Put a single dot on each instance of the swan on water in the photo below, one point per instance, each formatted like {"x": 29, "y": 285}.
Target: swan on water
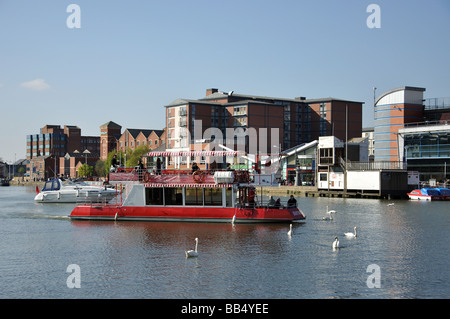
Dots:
{"x": 193, "y": 253}
{"x": 290, "y": 231}
{"x": 331, "y": 211}
{"x": 351, "y": 234}
{"x": 335, "y": 243}
{"x": 391, "y": 204}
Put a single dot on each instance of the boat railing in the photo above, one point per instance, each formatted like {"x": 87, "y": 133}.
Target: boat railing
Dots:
{"x": 168, "y": 175}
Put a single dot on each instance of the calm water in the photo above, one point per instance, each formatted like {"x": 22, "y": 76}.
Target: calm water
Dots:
{"x": 408, "y": 241}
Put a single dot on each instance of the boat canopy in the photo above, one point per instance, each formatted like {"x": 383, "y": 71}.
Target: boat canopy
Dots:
{"x": 430, "y": 191}
{"x": 52, "y": 185}
{"x": 443, "y": 190}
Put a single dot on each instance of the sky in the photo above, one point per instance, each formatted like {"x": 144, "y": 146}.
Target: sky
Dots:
{"x": 128, "y": 59}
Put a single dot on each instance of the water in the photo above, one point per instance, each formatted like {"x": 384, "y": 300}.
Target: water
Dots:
{"x": 408, "y": 241}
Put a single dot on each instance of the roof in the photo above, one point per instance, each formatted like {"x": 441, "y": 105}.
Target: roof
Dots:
{"x": 402, "y": 88}
{"x": 178, "y": 102}
{"x": 135, "y": 132}
{"x": 327, "y": 99}
{"x": 111, "y": 124}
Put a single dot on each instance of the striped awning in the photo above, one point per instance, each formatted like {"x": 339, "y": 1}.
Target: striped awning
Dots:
{"x": 196, "y": 153}
{"x": 193, "y": 185}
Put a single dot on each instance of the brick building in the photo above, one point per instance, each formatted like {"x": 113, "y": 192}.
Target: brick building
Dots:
{"x": 297, "y": 120}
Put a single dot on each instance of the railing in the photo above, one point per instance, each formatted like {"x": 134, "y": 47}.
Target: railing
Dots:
{"x": 371, "y": 166}
{"x": 437, "y": 103}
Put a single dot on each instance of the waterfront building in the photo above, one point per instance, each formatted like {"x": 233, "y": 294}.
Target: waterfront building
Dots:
{"x": 393, "y": 109}
{"x": 71, "y": 162}
{"x": 110, "y": 133}
{"x": 54, "y": 142}
{"x": 414, "y": 131}
{"x": 133, "y": 138}
{"x": 296, "y": 120}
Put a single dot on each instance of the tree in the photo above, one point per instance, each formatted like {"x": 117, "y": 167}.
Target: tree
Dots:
{"x": 85, "y": 170}
{"x": 100, "y": 168}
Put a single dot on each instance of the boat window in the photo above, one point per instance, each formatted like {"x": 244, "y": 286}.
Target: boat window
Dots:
{"x": 55, "y": 185}
{"x": 154, "y": 196}
{"x": 229, "y": 197}
{"x": 194, "y": 196}
{"x": 213, "y": 196}
{"x": 47, "y": 186}
{"x": 173, "y": 196}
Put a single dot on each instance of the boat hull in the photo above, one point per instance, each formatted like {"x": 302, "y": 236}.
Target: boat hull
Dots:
{"x": 186, "y": 214}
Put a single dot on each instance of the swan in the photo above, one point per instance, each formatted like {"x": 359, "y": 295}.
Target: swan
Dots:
{"x": 335, "y": 243}
{"x": 193, "y": 253}
{"x": 351, "y": 234}
{"x": 391, "y": 204}
{"x": 331, "y": 211}
{"x": 290, "y": 231}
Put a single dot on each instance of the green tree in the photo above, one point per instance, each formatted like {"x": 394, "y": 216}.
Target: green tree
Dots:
{"x": 100, "y": 168}
{"x": 132, "y": 157}
{"x": 85, "y": 170}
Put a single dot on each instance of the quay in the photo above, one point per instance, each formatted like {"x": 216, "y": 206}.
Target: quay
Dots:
{"x": 312, "y": 191}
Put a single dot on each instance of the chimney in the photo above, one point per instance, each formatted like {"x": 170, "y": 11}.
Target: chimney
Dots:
{"x": 211, "y": 91}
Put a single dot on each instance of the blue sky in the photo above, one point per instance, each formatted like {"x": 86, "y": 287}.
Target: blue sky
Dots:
{"x": 130, "y": 58}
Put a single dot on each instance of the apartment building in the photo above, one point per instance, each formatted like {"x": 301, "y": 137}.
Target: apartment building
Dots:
{"x": 293, "y": 120}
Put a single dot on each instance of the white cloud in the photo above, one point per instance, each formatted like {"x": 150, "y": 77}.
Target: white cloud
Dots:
{"x": 36, "y": 85}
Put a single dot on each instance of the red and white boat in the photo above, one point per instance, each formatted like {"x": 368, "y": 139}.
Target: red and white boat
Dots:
{"x": 203, "y": 196}
{"x": 430, "y": 194}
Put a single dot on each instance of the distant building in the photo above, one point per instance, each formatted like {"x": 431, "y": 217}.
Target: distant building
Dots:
{"x": 296, "y": 120}
{"x": 133, "y": 138}
{"x": 415, "y": 131}
{"x": 54, "y": 142}
{"x": 110, "y": 133}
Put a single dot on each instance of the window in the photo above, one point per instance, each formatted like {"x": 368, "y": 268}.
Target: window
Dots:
{"x": 154, "y": 196}
{"x": 213, "y": 196}
{"x": 194, "y": 196}
{"x": 173, "y": 196}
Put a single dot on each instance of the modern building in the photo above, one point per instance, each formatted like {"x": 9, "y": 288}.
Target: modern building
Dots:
{"x": 393, "y": 109}
{"x": 415, "y": 131}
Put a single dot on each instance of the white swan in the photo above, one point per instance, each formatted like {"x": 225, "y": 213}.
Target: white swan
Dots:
{"x": 290, "y": 231}
{"x": 193, "y": 253}
{"x": 335, "y": 243}
{"x": 331, "y": 211}
{"x": 391, "y": 204}
{"x": 351, "y": 234}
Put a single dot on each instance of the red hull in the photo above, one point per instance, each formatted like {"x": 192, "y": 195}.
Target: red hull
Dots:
{"x": 192, "y": 214}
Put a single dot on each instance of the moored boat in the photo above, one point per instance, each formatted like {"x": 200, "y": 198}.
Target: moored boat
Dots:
{"x": 59, "y": 191}
{"x": 182, "y": 195}
{"x": 430, "y": 194}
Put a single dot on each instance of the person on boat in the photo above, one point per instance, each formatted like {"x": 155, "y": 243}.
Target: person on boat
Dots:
{"x": 228, "y": 167}
{"x": 158, "y": 166}
{"x": 278, "y": 203}
{"x": 195, "y": 167}
{"x": 140, "y": 169}
{"x": 292, "y": 202}
{"x": 271, "y": 202}
{"x": 114, "y": 163}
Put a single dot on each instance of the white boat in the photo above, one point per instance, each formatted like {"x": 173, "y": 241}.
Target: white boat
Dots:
{"x": 59, "y": 191}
